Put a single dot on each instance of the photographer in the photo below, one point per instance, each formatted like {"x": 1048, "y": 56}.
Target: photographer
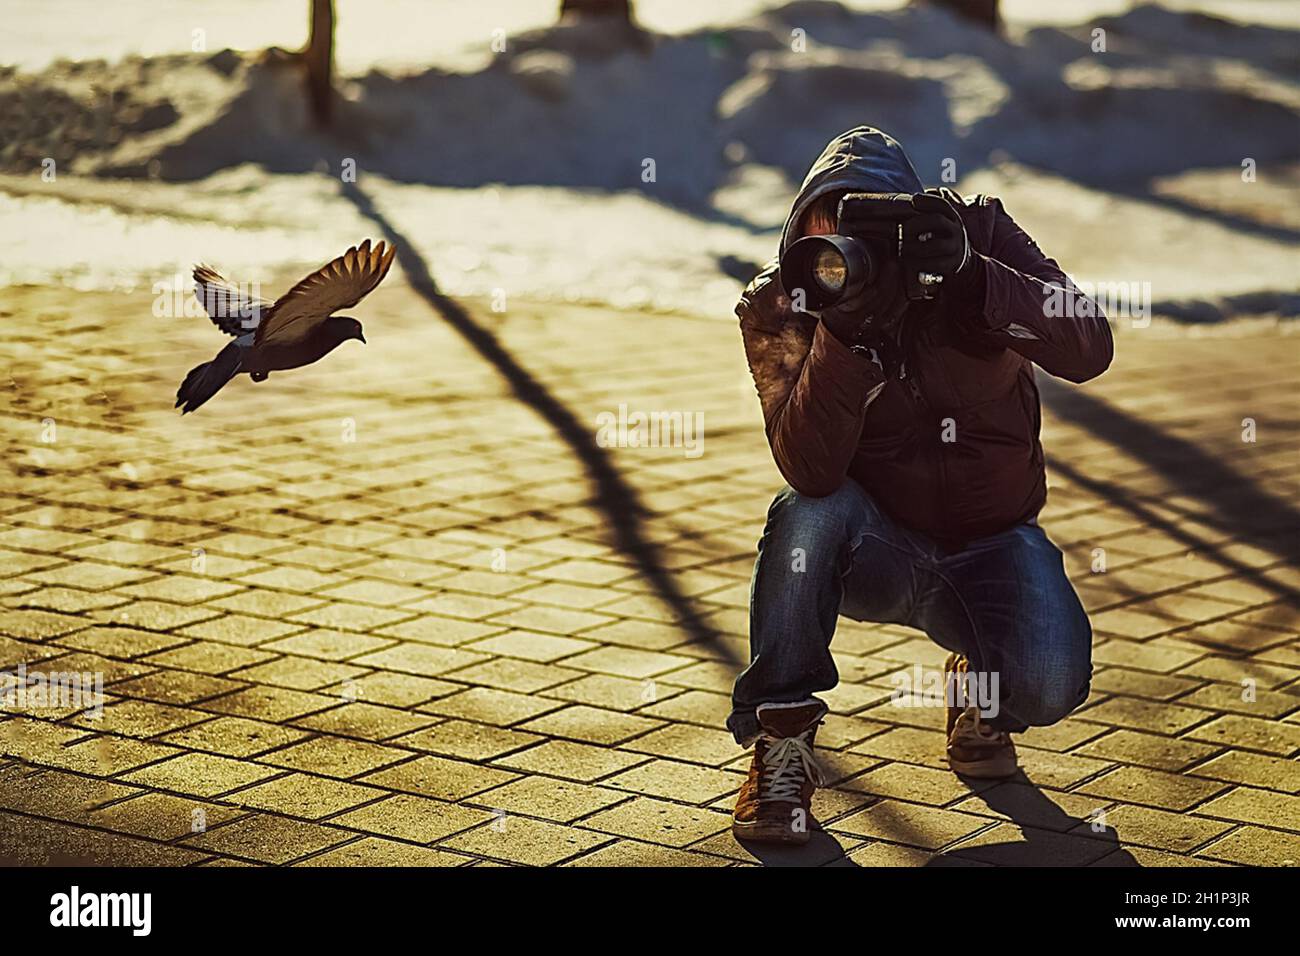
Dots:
{"x": 905, "y": 418}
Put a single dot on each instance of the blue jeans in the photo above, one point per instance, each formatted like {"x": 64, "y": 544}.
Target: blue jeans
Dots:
{"x": 1003, "y": 601}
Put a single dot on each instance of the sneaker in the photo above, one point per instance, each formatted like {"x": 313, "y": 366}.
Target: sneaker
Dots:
{"x": 774, "y": 804}
{"x": 974, "y": 748}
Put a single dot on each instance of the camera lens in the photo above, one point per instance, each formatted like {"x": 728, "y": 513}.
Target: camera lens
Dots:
{"x": 829, "y": 270}
{"x": 822, "y": 270}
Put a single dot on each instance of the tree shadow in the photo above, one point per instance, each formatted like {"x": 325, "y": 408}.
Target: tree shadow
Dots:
{"x": 612, "y": 494}
{"x": 1236, "y": 505}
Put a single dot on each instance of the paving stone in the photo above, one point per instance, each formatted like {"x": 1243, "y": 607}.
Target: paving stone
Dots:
{"x": 200, "y": 775}
{"x": 33, "y": 842}
{"x": 1243, "y": 700}
{"x": 373, "y": 851}
{"x": 1031, "y": 806}
{"x": 139, "y": 718}
{"x": 304, "y": 796}
{"x": 688, "y": 743}
{"x": 153, "y": 615}
{"x": 658, "y": 821}
{"x": 420, "y": 659}
{"x": 908, "y": 744}
{"x": 1160, "y": 829}
{"x": 208, "y": 657}
{"x": 1254, "y": 846}
{"x": 463, "y": 738}
{"x": 1131, "y": 683}
{"x": 267, "y": 839}
{"x": 526, "y": 842}
{"x": 1252, "y": 733}
{"x": 631, "y": 853}
{"x": 523, "y": 677}
{"x": 328, "y": 645}
{"x": 1146, "y": 715}
{"x": 1145, "y": 786}
{"x": 271, "y": 703}
{"x": 1148, "y": 750}
{"x": 1256, "y": 770}
{"x": 911, "y": 824}
{"x": 571, "y": 761}
{"x": 174, "y": 687}
{"x": 614, "y": 693}
{"x": 438, "y": 777}
{"x": 560, "y": 800}
{"x": 917, "y": 784}
{"x": 485, "y": 705}
{"x": 107, "y": 755}
{"x": 891, "y": 854}
{"x": 438, "y": 629}
{"x": 53, "y": 793}
{"x": 233, "y": 736}
{"x": 126, "y": 642}
{"x": 591, "y": 725}
{"x": 299, "y": 673}
{"x": 671, "y": 779}
{"x": 367, "y": 721}
{"x": 160, "y": 816}
{"x": 335, "y": 756}
{"x": 530, "y": 646}
{"x": 1251, "y": 805}
{"x": 1009, "y": 844}
{"x": 398, "y": 690}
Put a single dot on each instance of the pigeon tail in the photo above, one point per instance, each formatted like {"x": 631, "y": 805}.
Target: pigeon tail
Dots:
{"x": 206, "y": 380}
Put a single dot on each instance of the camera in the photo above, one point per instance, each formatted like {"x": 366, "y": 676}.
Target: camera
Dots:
{"x": 831, "y": 269}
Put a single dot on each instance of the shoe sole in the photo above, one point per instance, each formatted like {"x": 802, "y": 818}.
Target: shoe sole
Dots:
{"x": 768, "y": 833}
{"x": 992, "y": 769}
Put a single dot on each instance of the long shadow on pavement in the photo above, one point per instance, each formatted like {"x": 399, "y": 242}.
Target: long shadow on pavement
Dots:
{"x": 1043, "y": 826}
{"x": 1238, "y": 507}
{"x": 614, "y": 496}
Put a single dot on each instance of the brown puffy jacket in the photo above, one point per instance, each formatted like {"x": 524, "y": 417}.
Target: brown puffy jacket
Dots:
{"x": 947, "y": 443}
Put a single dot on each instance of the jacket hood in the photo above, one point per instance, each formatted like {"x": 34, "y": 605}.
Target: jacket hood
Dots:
{"x": 860, "y": 160}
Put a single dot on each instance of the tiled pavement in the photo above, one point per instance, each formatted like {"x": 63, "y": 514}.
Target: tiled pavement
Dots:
{"x": 401, "y": 608}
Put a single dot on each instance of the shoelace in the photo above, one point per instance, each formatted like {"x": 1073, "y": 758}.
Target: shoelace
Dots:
{"x": 969, "y": 725}
{"x": 787, "y": 763}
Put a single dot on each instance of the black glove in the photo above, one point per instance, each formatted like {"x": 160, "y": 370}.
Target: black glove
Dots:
{"x": 934, "y": 241}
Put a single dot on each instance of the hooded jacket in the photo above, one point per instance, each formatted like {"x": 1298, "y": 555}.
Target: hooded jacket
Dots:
{"x": 947, "y": 442}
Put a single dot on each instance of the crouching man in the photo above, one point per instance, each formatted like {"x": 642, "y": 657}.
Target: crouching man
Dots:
{"x": 905, "y": 419}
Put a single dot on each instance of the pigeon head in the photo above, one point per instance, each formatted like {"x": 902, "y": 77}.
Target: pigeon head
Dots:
{"x": 344, "y": 327}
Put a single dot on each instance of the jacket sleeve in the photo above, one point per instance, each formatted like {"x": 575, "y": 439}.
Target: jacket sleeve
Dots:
{"x": 1035, "y": 309}
{"x": 813, "y": 388}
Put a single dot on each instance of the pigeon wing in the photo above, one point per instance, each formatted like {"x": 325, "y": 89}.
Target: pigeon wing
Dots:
{"x": 230, "y": 308}
{"x": 336, "y": 285}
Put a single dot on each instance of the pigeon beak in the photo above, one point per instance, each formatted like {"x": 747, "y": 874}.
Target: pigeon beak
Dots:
{"x": 362, "y": 338}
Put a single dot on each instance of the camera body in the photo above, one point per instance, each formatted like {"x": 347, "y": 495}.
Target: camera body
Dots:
{"x": 835, "y": 268}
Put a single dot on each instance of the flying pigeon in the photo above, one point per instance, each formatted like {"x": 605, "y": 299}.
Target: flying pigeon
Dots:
{"x": 297, "y": 329}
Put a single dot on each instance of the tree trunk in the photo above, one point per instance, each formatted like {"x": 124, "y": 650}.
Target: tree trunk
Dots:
{"x": 983, "y": 12}
{"x": 319, "y": 57}
{"x": 605, "y": 8}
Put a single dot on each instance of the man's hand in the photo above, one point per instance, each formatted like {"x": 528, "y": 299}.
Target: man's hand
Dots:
{"x": 934, "y": 241}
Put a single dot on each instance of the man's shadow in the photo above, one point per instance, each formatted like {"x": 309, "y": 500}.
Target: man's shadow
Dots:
{"x": 1050, "y": 836}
